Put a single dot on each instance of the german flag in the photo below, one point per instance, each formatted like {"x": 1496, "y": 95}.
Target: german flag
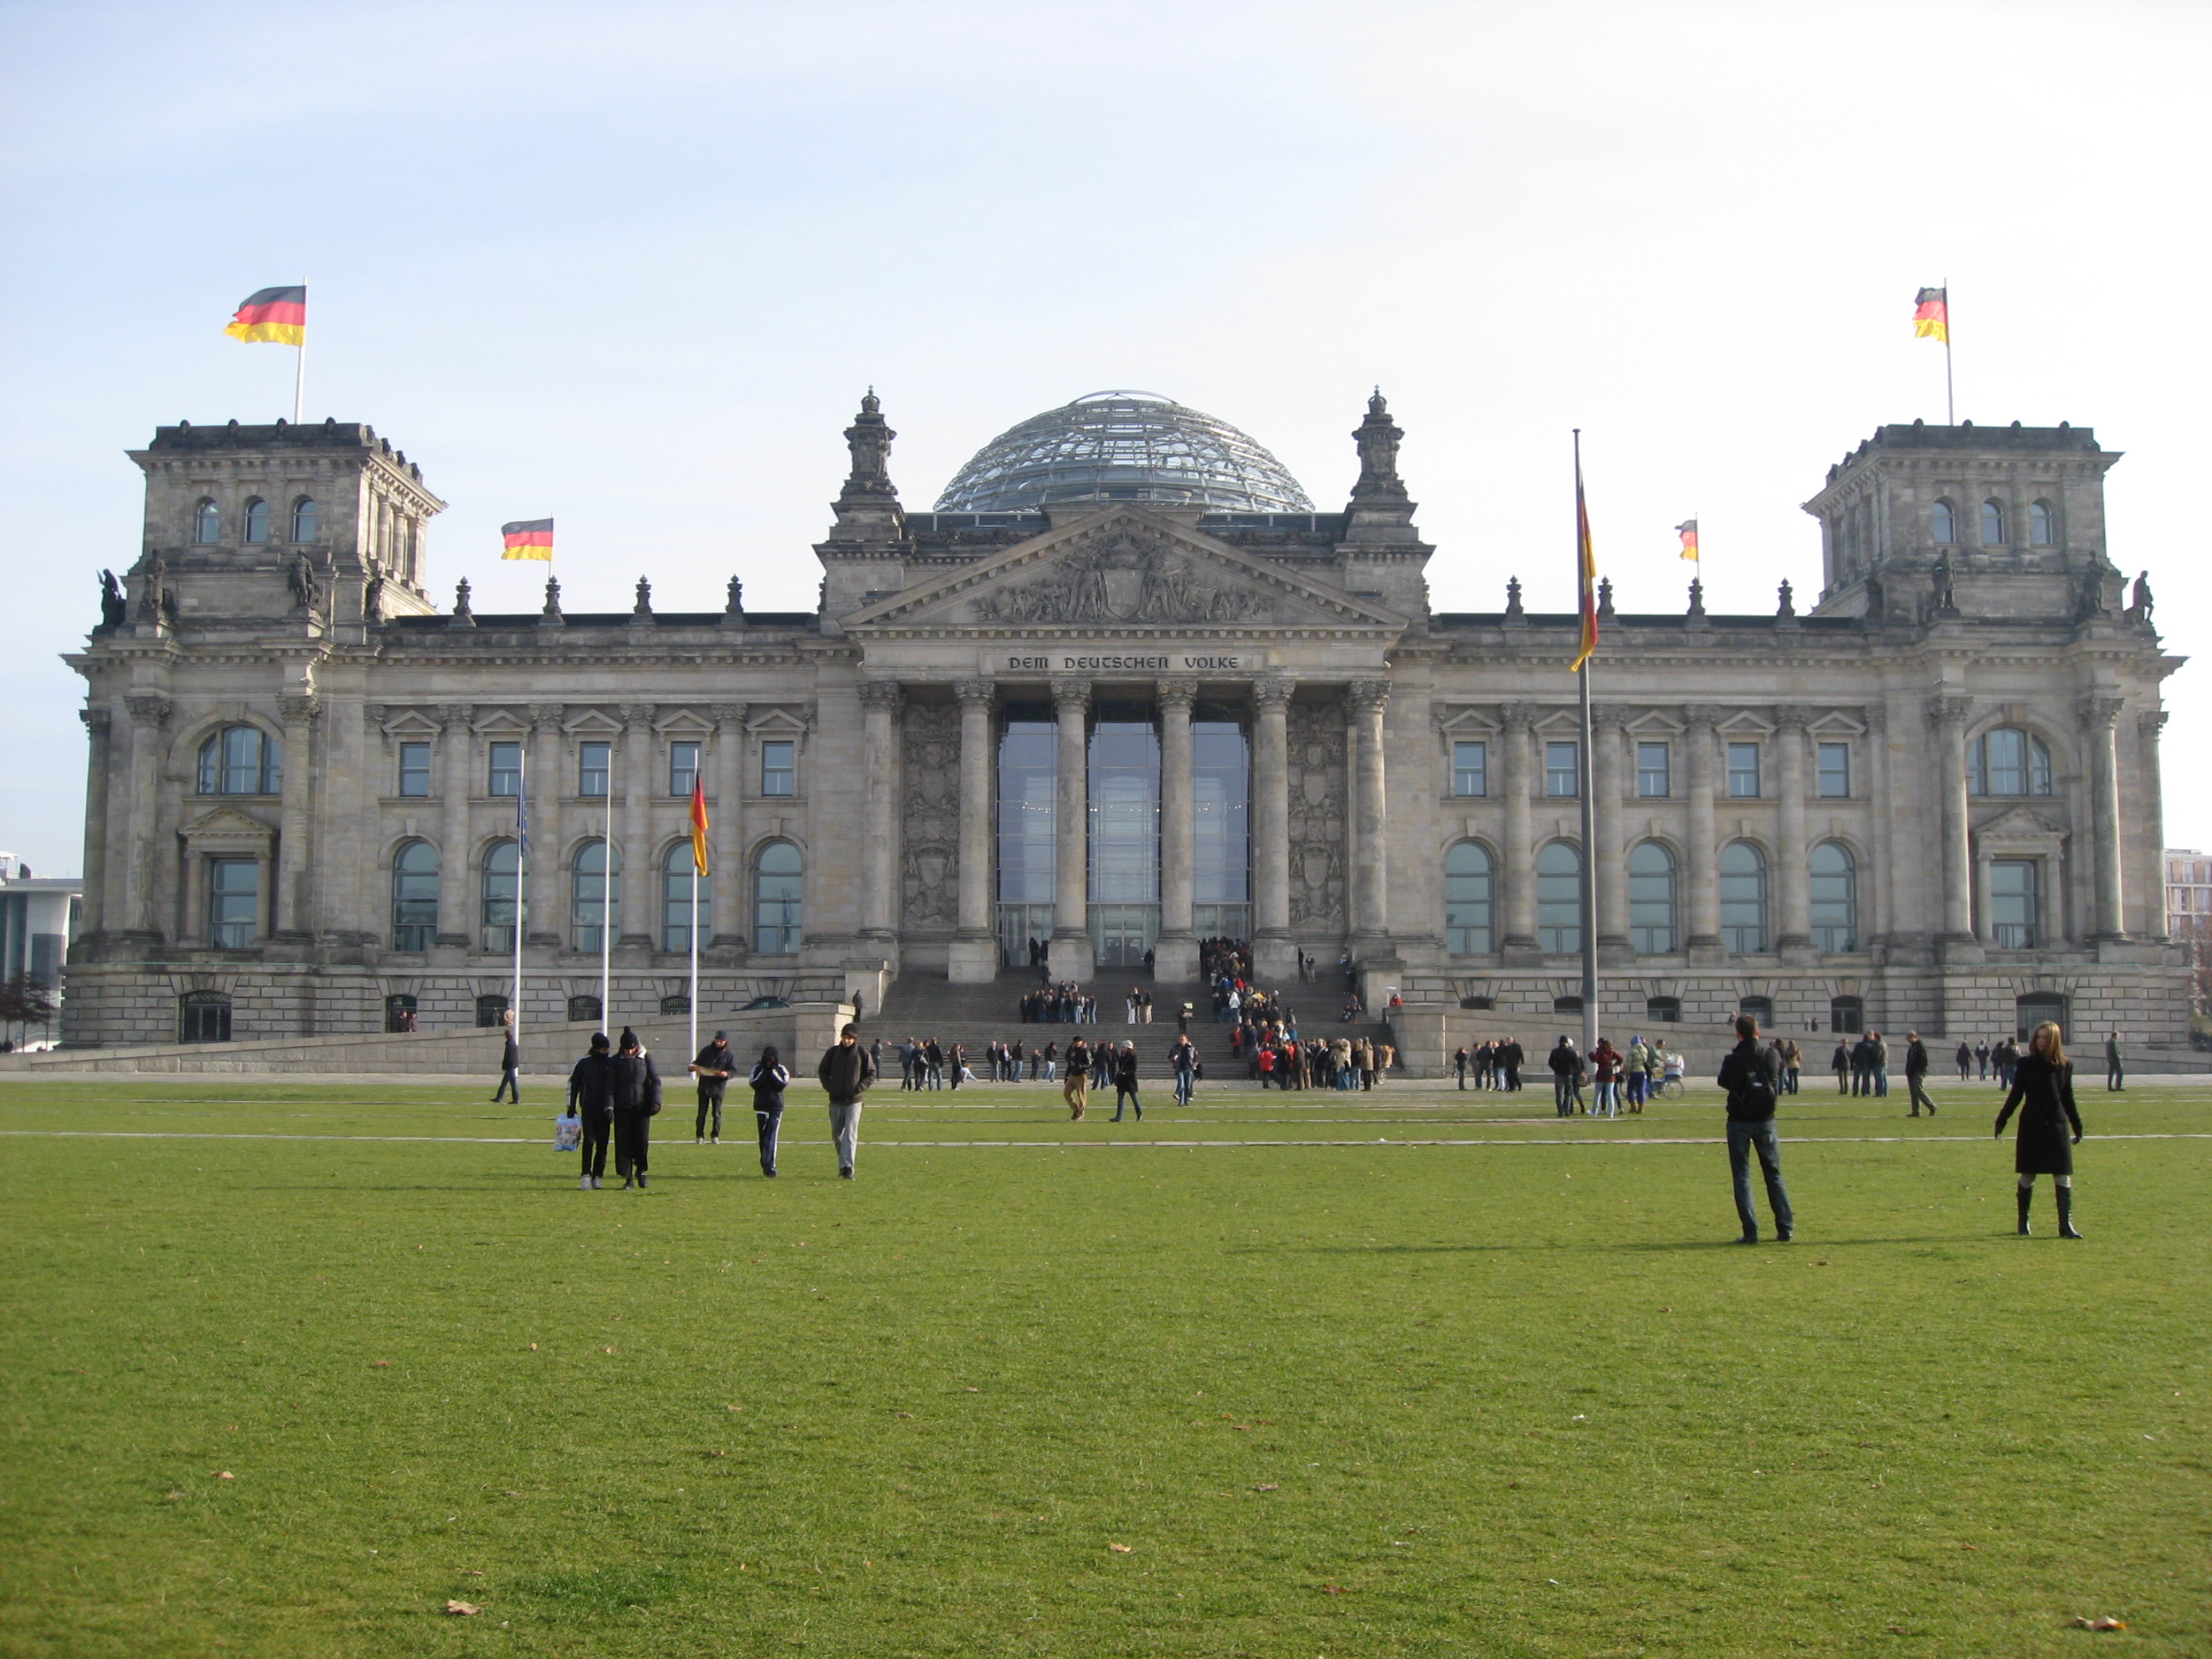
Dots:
{"x": 275, "y": 314}
{"x": 699, "y": 824}
{"x": 1586, "y": 571}
{"x": 1931, "y": 315}
{"x": 528, "y": 538}
{"x": 1688, "y": 530}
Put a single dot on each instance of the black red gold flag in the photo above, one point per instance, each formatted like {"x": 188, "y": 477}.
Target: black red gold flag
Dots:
{"x": 275, "y": 314}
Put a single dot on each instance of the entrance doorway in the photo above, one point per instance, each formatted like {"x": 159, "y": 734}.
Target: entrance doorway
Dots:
{"x": 1122, "y": 933}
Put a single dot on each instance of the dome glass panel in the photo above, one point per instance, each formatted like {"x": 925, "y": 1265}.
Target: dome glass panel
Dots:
{"x": 1123, "y": 446}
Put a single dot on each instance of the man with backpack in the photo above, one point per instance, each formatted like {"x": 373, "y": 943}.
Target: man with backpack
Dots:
{"x": 1751, "y": 1076}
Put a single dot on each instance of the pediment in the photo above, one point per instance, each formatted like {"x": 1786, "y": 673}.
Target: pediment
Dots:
{"x": 1120, "y": 568}
{"x": 2021, "y": 826}
{"x": 226, "y": 828}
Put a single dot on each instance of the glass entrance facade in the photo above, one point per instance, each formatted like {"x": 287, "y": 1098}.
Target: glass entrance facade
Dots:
{"x": 1125, "y": 835}
{"x": 1221, "y": 797}
{"x": 1029, "y": 746}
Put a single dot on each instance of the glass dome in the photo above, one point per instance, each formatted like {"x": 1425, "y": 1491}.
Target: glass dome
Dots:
{"x": 1123, "y": 446}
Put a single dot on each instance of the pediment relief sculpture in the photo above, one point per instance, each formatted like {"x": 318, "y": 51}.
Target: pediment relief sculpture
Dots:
{"x": 1123, "y": 579}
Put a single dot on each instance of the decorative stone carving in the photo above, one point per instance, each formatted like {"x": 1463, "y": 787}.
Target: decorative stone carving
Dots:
{"x": 869, "y": 438}
{"x": 148, "y": 710}
{"x": 1121, "y": 578}
{"x": 880, "y": 694}
{"x": 1377, "y": 438}
{"x": 1954, "y": 711}
{"x": 930, "y": 862}
{"x": 1317, "y": 817}
{"x": 298, "y": 710}
{"x": 974, "y": 690}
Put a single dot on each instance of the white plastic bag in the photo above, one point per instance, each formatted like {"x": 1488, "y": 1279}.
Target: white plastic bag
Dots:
{"x": 568, "y": 1133}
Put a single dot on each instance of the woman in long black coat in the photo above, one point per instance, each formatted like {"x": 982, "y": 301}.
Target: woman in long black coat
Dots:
{"x": 2042, "y": 1088}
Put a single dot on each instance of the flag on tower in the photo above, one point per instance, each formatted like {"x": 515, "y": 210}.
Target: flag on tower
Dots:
{"x": 1688, "y": 530}
{"x": 1585, "y": 574}
{"x": 699, "y": 824}
{"x": 528, "y": 538}
{"x": 274, "y": 314}
{"x": 1931, "y": 315}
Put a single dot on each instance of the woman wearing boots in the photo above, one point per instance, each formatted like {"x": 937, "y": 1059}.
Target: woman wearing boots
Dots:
{"x": 2042, "y": 1088}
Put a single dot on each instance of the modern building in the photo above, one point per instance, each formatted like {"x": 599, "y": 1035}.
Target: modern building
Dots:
{"x": 37, "y": 921}
{"x": 1124, "y": 688}
{"x": 2189, "y": 915}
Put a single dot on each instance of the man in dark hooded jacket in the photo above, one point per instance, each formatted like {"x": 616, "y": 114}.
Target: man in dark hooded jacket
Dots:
{"x": 1751, "y": 1077}
{"x": 845, "y": 1074}
{"x": 635, "y": 1083}
{"x": 591, "y": 1098}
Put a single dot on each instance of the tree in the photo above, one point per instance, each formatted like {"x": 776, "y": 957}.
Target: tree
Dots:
{"x": 24, "y": 1002}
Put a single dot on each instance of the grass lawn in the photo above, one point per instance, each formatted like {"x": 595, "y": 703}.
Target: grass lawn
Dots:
{"x": 1302, "y": 1391}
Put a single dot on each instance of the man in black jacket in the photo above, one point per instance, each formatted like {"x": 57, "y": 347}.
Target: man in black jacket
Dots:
{"x": 1512, "y": 1057}
{"x": 1915, "y": 1073}
{"x": 1752, "y": 1076}
{"x": 845, "y": 1074}
{"x": 712, "y": 1068}
{"x": 1125, "y": 1082}
{"x": 510, "y": 1065}
{"x": 635, "y": 1084}
{"x": 1564, "y": 1063}
{"x": 591, "y": 1102}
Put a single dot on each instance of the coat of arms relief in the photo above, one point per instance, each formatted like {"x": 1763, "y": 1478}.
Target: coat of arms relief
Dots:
{"x": 1121, "y": 579}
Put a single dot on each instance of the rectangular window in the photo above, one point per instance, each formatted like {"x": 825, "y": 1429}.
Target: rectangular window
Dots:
{"x": 414, "y": 768}
{"x": 1835, "y": 771}
{"x": 506, "y": 768}
{"x": 1562, "y": 774}
{"x": 683, "y": 768}
{"x": 592, "y": 767}
{"x": 1470, "y": 768}
{"x": 1654, "y": 779}
{"x": 234, "y": 902}
{"x": 1743, "y": 770}
{"x": 779, "y": 767}
{"x": 2015, "y": 904}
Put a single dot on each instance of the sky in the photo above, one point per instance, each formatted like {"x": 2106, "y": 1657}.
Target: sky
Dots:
{"x": 633, "y": 266}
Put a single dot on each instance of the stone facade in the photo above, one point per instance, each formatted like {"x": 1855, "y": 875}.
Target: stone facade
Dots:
{"x": 1930, "y": 801}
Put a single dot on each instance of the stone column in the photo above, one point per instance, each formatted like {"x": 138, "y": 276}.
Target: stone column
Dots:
{"x": 973, "y": 958}
{"x": 293, "y": 915}
{"x": 1792, "y": 858}
{"x": 454, "y": 779}
{"x": 726, "y": 880}
{"x": 1517, "y": 873}
{"x": 543, "y": 921}
{"x": 1071, "y": 902}
{"x": 2149, "y": 884}
{"x": 1365, "y": 702}
{"x": 640, "y": 918}
{"x": 1274, "y": 951}
{"x": 1703, "y": 853}
{"x": 1950, "y": 715}
{"x": 1174, "y": 954}
{"x": 880, "y": 700}
{"x": 2100, "y": 715}
{"x": 1609, "y": 859}
{"x": 148, "y": 714}
{"x": 97, "y": 902}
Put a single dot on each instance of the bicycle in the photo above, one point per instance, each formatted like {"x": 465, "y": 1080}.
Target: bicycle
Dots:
{"x": 1668, "y": 1089}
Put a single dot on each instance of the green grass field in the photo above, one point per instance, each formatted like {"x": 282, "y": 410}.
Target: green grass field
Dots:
{"x": 1035, "y": 1388}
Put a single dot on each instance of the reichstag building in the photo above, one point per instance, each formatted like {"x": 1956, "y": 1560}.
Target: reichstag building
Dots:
{"x": 1123, "y": 689}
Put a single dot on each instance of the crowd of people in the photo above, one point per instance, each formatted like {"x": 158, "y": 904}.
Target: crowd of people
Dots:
{"x": 1064, "y": 1003}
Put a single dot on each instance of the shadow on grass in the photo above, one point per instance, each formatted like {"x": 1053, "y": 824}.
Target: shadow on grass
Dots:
{"x": 1636, "y": 1245}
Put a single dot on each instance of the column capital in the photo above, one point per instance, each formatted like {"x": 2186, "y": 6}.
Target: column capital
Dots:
{"x": 1368, "y": 696}
{"x": 149, "y": 710}
{"x": 1273, "y": 692}
{"x": 635, "y": 715}
{"x": 1609, "y": 717}
{"x": 1701, "y": 714}
{"x": 1514, "y": 717}
{"x": 1179, "y": 692}
{"x": 298, "y": 710}
{"x": 1793, "y": 717}
{"x": 879, "y": 693}
{"x": 1068, "y": 694}
{"x": 453, "y": 716}
{"x": 1950, "y": 711}
{"x": 971, "y": 692}
{"x": 547, "y": 716}
{"x": 96, "y": 720}
{"x": 2101, "y": 711}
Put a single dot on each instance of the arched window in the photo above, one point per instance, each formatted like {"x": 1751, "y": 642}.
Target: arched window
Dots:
{"x": 1944, "y": 520}
{"x": 1759, "y": 1008}
{"x": 779, "y": 894}
{"x": 1993, "y": 525}
{"x": 2032, "y": 1010}
{"x": 676, "y": 876}
{"x": 2007, "y": 762}
{"x": 583, "y": 1009}
{"x": 1467, "y": 891}
{"x": 414, "y": 897}
{"x": 204, "y": 1017}
{"x": 1743, "y": 898}
{"x": 303, "y": 519}
{"x": 1846, "y": 1016}
{"x": 1835, "y": 896}
{"x": 502, "y": 865}
{"x": 1651, "y": 900}
{"x": 1559, "y": 899}
{"x": 257, "y": 520}
{"x": 207, "y": 521}
{"x": 240, "y": 760}
{"x": 399, "y": 1012}
{"x": 2042, "y": 525}
{"x": 1663, "y": 1010}
{"x": 595, "y": 896}
{"x": 491, "y": 1010}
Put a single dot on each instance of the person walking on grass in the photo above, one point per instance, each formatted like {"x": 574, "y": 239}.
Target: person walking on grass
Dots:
{"x": 1965, "y": 1061}
{"x": 845, "y": 1074}
{"x": 1182, "y": 1060}
{"x": 1075, "y": 1085}
{"x": 1840, "y": 1061}
{"x": 591, "y": 1101}
{"x": 2043, "y": 1090}
{"x": 1916, "y": 1073}
{"x": 1125, "y": 1082}
{"x": 510, "y": 1064}
{"x": 1751, "y": 1077}
{"x": 635, "y": 1083}
{"x": 2116, "y": 1078}
{"x": 1566, "y": 1063}
{"x": 770, "y": 1079}
{"x": 712, "y": 1068}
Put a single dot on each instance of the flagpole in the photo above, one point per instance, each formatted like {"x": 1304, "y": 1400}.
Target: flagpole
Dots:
{"x": 695, "y": 955}
{"x": 300, "y": 373}
{"x": 1950, "y": 404}
{"x": 1589, "y": 795}
{"x": 606, "y": 900}
{"x": 521, "y": 880}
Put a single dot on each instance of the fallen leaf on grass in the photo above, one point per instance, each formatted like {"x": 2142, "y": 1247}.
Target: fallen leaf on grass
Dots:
{"x": 533, "y": 1348}
{"x": 972, "y": 1388}
{"x": 2097, "y": 1624}
{"x": 904, "y": 1413}
{"x": 717, "y": 1454}
{"x": 463, "y": 1609}
{"x": 1272, "y": 1486}
{"x": 379, "y": 1365}
{"x": 606, "y": 1351}
{"x": 226, "y": 1475}
{"x": 1332, "y": 1589}
{"x": 470, "y": 1572}
{"x": 1120, "y": 1549}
